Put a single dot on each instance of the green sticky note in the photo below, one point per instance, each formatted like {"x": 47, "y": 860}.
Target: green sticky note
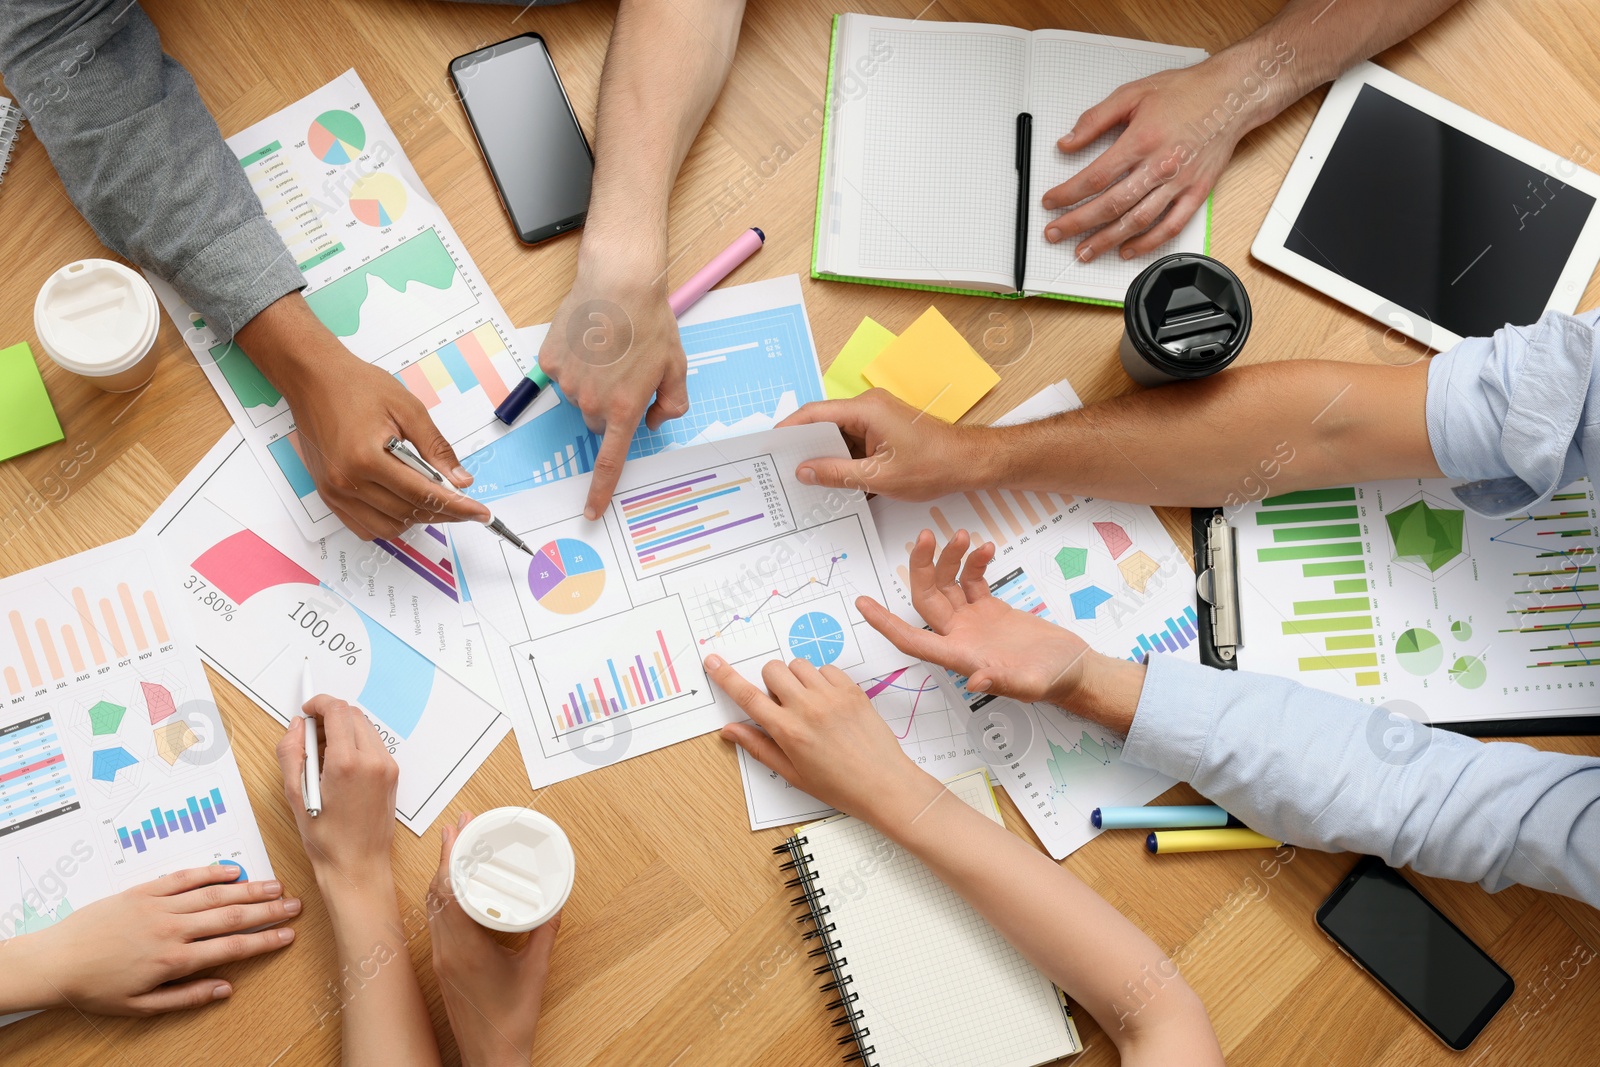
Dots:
{"x": 844, "y": 379}
{"x": 27, "y": 419}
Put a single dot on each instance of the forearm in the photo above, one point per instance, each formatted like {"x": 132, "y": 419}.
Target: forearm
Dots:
{"x": 1065, "y": 929}
{"x": 665, "y": 67}
{"x": 1269, "y": 428}
{"x": 140, "y": 155}
{"x": 385, "y": 1019}
{"x": 1311, "y": 42}
{"x": 25, "y": 984}
{"x": 1314, "y": 769}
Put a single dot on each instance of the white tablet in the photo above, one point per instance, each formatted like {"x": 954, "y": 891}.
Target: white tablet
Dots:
{"x": 1439, "y": 224}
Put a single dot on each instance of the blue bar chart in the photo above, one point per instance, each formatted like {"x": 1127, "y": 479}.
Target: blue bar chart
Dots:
{"x": 194, "y": 815}
{"x": 1179, "y": 633}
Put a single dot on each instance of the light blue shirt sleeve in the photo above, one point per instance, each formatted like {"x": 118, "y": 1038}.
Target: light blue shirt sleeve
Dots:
{"x": 1517, "y": 414}
{"x": 1321, "y": 771}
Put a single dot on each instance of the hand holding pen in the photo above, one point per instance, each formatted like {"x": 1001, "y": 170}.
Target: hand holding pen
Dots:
{"x": 404, "y": 453}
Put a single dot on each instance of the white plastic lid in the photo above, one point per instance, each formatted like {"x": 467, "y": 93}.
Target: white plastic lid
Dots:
{"x": 512, "y": 869}
{"x": 96, "y": 318}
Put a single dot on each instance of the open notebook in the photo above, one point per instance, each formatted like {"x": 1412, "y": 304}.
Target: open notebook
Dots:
{"x": 919, "y": 185}
{"x": 922, "y": 979}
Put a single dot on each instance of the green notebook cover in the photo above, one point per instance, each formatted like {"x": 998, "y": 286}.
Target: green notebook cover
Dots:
{"x": 816, "y": 222}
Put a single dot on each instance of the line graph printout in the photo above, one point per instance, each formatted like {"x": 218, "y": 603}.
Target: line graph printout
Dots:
{"x": 599, "y": 655}
{"x": 1393, "y": 590}
{"x": 1108, "y": 571}
{"x": 387, "y": 275}
{"x": 266, "y": 601}
{"x": 107, "y": 715}
{"x": 752, "y": 362}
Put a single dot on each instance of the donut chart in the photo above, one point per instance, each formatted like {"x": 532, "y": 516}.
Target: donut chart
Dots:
{"x": 817, "y": 638}
{"x": 567, "y": 576}
{"x": 378, "y": 200}
{"x": 336, "y": 137}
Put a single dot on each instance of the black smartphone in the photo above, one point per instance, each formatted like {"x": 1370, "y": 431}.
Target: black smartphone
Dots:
{"x": 528, "y": 133}
{"x": 1380, "y": 920}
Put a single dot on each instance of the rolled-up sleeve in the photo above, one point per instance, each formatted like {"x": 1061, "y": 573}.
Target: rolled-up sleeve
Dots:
{"x": 1322, "y": 771}
{"x": 1517, "y": 414}
{"x": 141, "y": 156}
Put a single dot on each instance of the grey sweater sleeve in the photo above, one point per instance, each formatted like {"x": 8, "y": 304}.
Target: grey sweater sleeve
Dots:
{"x": 140, "y": 155}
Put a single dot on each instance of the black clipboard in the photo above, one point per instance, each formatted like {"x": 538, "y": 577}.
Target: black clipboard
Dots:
{"x": 1202, "y": 523}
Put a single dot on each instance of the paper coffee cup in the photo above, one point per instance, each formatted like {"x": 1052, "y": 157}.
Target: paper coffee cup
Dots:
{"x": 1186, "y": 316}
{"x": 98, "y": 320}
{"x": 512, "y": 869}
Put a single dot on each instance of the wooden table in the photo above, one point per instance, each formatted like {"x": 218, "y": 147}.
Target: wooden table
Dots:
{"x": 676, "y": 945}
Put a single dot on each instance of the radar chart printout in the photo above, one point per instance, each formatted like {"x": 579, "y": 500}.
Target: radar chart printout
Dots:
{"x": 115, "y": 767}
{"x": 598, "y": 639}
{"x": 263, "y": 612}
{"x": 386, "y": 273}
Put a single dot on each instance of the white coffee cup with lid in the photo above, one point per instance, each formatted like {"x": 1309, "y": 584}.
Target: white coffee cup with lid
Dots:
{"x": 512, "y": 869}
{"x": 98, "y": 319}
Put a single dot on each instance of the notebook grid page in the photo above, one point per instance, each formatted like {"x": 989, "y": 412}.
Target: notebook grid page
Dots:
{"x": 939, "y": 183}
{"x": 939, "y": 987}
{"x": 1069, "y": 77}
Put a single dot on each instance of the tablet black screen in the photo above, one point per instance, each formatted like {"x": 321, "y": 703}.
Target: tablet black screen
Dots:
{"x": 1436, "y": 221}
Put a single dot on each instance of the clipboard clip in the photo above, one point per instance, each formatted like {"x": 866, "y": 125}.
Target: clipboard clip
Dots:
{"x": 1218, "y": 586}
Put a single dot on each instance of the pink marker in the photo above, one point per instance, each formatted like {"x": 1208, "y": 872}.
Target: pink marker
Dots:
{"x": 689, "y": 293}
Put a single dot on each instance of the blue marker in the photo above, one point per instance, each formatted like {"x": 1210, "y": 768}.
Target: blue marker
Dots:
{"x": 1163, "y": 817}
{"x": 525, "y": 393}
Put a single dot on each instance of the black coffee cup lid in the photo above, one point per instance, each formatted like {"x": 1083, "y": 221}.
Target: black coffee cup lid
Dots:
{"x": 1187, "y": 314}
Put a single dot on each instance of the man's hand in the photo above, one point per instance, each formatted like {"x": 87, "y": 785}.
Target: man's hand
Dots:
{"x": 973, "y": 632}
{"x": 614, "y": 345}
{"x": 903, "y": 453}
{"x": 345, "y": 412}
{"x": 492, "y": 993}
{"x": 823, "y": 735}
{"x": 128, "y": 954}
{"x": 1158, "y": 172}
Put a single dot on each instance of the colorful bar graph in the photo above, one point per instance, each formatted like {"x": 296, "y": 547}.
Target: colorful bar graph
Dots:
{"x": 634, "y": 683}
{"x": 1181, "y": 632}
{"x": 695, "y": 515}
{"x": 465, "y": 364}
{"x": 193, "y": 816}
{"x": 428, "y": 556}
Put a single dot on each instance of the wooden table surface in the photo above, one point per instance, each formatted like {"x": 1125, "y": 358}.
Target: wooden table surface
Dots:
{"x": 677, "y": 944}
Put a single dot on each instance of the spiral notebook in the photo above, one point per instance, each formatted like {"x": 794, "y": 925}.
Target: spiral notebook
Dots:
{"x": 10, "y": 126}
{"x": 920, "y": 979}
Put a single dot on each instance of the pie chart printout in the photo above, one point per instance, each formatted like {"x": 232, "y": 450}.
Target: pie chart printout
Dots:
{"x": 378, "y": 200}
{"x": 336, "y": 137}
{"x": 567, "y": 576}
{"x": 817, "y": 638}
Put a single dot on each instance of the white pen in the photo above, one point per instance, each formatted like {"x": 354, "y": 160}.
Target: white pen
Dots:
{"x": 311, "y": 777}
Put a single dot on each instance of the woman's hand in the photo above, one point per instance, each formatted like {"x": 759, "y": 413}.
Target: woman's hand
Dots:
{"x": 349, "y": 842}
{"x": 491, "y": 992}
{"x": 824, "y": 736}
{"x": 999, "y": 648}
{"x": 128, "y": 954}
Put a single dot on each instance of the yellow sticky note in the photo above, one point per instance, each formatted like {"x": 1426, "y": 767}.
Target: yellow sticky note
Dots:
{"x": 932, "y": 368}
{"x": 844, "y": 379}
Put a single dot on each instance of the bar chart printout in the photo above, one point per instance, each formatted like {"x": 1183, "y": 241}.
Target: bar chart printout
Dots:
{"x": 626, "y": 684}
{"x": 704, "y": 514}
{"x": 54, "y": 639}
{"x": 192, "y": 816}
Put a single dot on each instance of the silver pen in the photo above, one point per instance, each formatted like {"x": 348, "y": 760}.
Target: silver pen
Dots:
{"x": 401, "y": 451}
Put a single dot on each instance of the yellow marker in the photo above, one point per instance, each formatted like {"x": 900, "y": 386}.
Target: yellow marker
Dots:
{"x": 1207, "y": 840}
{"x": 933, "y": 368}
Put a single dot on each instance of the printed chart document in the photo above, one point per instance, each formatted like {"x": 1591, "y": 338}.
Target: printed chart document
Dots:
{"x": 386, "y": 272}
{"x": 1111, "y": 573}
{"x": 1392, "y": 591}
{"x": 115, "y": 767}
{"x": 752, "y": 363}
{"x": 598, "y": 640}
{"x": 262, "y": 611}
